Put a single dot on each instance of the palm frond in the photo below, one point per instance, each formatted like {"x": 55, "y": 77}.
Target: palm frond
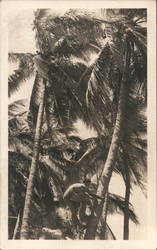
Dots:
{"x": 17, "y": 108}
{"x": 21, "y": 144}
{"x": 139, "y": 142}
{"x": 126, "y": 14}
{"x": 25, "y": 70}
{"x": 53, "y": 118}
{"x": 48, "y": 168}
{"x": 67, "y": 76}
{"x": 138, "y": 163}
{"x": 136, "y": 122}
{"x": 91, "y": 150}
{"x": 48, "y": 182}
{"x": 61, "y": 72}
{"x": 71, "y": 67}
{"x": 117, "y": 204}
{"x": 136, "y": 40}
{"x": 17, "y": 117}
{"x": 17, "y": 57}
{"x": 139, "y": 42}
{"x": 20, "y": 136}
{"x": 59, "y": 160}
{"x": 19, "y": 163}
{"x": 100, "y": 91}
{"x": 58, "y": 108}
{"x": 51, "y": 28}
{"x": 137, "y": 166}
{"x": 142, "y": 30}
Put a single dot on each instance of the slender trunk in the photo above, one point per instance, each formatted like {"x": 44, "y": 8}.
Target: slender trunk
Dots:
{"x": 112, "y": 155}
{"x": 29, "y": 193}
{"x": 16, "y": 234}
{"x": 126, "y": 210}
{"x": 103, "y": 235}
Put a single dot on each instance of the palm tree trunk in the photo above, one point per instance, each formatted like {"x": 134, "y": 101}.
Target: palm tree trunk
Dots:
{"x": 29, "y": 193}
{"x": 16, "y": 233}
{"x": 103, "y": 235}
{"x": 126, "y": 211}
{"x": 112, "y": 155}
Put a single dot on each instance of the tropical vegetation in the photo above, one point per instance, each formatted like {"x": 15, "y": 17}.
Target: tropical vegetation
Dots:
{"x": 89, "y": 65}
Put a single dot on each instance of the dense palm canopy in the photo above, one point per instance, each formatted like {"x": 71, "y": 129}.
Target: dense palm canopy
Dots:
{"x": 54, "y": 166}
{"x": 116, "y": 93}
{"x": 90, "y": 66}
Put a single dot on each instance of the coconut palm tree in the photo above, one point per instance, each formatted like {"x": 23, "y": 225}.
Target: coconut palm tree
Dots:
{"x": 52, "y": 29}
{"x": 117, "y": 56}
{"x": 33, "y": 170}
{"x": 49, "y": 176}
{"x": 46, "y": 78}
{"x": 54, "y": 41}
{"x": 93, "y": 159}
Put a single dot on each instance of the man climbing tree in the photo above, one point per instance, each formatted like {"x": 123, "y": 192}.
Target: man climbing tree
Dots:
{"x": 78, "y": 197}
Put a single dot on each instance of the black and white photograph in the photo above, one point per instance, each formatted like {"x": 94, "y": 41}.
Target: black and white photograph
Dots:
{"x": 78, "y": 86}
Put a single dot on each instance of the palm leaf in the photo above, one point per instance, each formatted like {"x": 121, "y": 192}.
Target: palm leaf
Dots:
{"x": 51, "y": 28}
{"x": 48, "y": 182}
{"x": 138, "y": 164}
{"x": 64, "y": 73}
{"x": 139, "y": 41}
{"x": 137, "y": 167}
{"x": 17, "y": 107}
{"x": 100, "y": 92}
{"x": 17, "y": 115}
{"x": 17, "y": 57}
{"x": 116, "y": 204}
{"x": 91, "y": 151}
{"x": 105, "y": 100}
{"x": 25, "y": 70}
{"x": 21, "y": 144}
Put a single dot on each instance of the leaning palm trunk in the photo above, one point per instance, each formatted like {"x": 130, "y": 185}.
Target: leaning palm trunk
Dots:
{"x": 29, "y": 193}
{"x": 112, "y": 155}
{"x": 17, "y": 226}
{"x": 126, "y": 211}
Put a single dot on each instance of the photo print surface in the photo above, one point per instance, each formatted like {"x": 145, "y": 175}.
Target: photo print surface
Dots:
{"x": 77, "y": 124}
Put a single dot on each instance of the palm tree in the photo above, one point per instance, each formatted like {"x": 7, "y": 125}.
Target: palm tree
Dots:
{"x": 34, "y": 164}
{"x": 92, "y": 150}
{"x": 50, "y": 174}
{"x": 43, "y": 63}
{"x": 127, "y": 38}
{"x": 49, "y": 178}
{"x": 51, "y": 68}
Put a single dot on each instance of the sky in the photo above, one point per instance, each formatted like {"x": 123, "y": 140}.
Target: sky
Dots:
{"x": 22, "y": 39}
